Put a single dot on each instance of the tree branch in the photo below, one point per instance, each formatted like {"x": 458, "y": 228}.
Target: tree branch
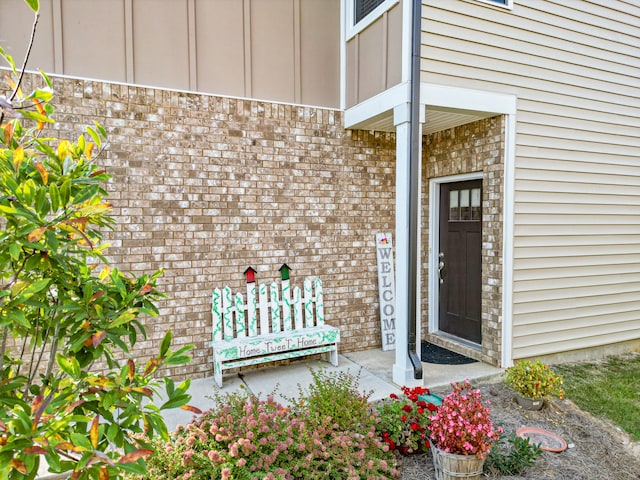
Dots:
{"x": 24, "y": 63}
{"x": 26, "y": 56}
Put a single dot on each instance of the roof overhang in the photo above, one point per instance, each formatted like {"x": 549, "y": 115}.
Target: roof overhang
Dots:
{"x": 446, "y": 107}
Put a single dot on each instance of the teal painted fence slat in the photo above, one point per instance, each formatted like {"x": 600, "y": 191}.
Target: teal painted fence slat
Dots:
{"x": 286, "y": 306}
{"x": 319, "y": 303}
{"x": 264, "y": 310}
{"x": 308, "y": 304}
{"x": 252, "y": 320}
{"x": 227, "y": 308}
{"x": 297, "y": 309}
{"x": 241, "y": 330}
{"x": 275, "y": 310}
{"x": 216, "y": 312}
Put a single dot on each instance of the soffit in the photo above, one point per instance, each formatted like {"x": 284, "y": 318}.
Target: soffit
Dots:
{"x": 437, "y": 119}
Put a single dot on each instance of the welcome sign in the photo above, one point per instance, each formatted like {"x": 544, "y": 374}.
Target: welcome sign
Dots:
{"x": 386, "y": 290}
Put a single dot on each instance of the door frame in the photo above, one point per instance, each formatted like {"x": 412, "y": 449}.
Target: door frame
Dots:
{"x": 434, "y": 236}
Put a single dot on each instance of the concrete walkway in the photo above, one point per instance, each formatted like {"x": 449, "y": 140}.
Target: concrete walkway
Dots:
{"x": 373, "y": 367}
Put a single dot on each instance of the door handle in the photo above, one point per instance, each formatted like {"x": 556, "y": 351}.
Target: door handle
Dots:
{"x": 440, "y": 267}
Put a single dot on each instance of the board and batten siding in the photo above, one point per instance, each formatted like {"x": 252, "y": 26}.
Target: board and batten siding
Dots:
{"x": 374, "y": 57}
{"x": 575, "y": 68}
{"x": 277, "y": 50}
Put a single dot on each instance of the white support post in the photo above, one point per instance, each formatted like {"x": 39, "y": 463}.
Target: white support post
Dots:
{"x": 402, "y": 368}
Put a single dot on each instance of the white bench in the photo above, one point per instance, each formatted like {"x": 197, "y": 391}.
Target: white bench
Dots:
{"x": 270, "y": 328}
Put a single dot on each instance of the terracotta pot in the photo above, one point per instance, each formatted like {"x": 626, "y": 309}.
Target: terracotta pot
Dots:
{"x": 451, "y": 466}
{"x": 529, "y": 403}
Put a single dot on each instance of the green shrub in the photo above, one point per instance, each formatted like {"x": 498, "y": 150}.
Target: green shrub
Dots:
{"x": 514, "y": 458}
{"x": 335, "y": 396}
{"x": 533, "y": 379}
{"x": 246, "y": 438}
{"x": 70, "y": 392}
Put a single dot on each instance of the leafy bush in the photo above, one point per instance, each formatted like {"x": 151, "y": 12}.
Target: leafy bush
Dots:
{"x": 404, "y": 420}
{"x": 335, "y": 396}
{"x": 534, "y": 379}
{"x": 514, "y": 458}
{"x": 246, "y": 437}
{"x": 68, "y": 392}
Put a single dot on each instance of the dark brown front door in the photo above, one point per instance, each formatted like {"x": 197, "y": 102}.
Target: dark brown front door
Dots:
{"x": 460, "y": 259}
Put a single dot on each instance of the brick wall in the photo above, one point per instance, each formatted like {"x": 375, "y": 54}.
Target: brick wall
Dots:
{"x": 475, "y": 147}
{"x": 205, "y": 186}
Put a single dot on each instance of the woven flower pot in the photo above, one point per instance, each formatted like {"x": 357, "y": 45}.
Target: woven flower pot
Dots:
{"x": 451, "y": 466}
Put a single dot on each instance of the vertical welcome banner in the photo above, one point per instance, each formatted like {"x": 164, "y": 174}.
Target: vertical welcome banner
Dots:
{"x": 386, "y": 290}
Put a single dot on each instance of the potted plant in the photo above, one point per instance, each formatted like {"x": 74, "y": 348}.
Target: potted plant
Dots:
{"x": 403, "y": 420}
{"x": 461, "y": 434}
{"x": 533, "y": 382}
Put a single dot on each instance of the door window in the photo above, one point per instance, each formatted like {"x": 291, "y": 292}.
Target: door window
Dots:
{"x": 465, "y": 205}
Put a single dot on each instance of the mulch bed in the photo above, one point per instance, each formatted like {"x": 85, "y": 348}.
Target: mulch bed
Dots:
{"x": 598, "y": 449}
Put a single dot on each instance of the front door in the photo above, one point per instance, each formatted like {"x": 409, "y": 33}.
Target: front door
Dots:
{"x": 460, "y": 260}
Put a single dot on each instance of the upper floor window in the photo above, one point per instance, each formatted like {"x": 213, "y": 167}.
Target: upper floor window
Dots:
{"x": 499, "y": 3}
{"x": 364, "y": 8}
{"x": 362, "y": 13}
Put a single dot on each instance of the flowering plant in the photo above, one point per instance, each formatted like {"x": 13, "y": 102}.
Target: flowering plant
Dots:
{"x": 245, "y": 437}
{"x": 462, "y": 424}
{"x": 404, "y": 420}
{"x": 534, "y": 380}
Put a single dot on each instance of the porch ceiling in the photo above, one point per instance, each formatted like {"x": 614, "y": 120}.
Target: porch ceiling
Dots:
{"x": 437, "y": 119}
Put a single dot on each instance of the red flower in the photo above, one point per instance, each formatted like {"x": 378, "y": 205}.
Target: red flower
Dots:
{"x": 415, "y": 426}
{"x": 431, "y": 407}
{"x": 407, "y": 408}
{"x": 394, "y": 396}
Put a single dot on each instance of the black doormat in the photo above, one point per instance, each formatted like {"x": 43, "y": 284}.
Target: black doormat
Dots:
{"x": 434, "y": 354}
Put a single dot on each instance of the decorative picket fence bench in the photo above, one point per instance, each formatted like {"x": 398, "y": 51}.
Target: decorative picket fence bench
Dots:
{"x": 273, "y": 326}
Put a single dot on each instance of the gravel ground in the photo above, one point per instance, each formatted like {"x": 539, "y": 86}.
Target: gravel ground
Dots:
{"x": 598, "y": 450}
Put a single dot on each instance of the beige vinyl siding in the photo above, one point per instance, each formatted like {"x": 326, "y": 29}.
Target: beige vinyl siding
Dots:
{"x": 277, "y": 50}
{"x": 575, "y": 68}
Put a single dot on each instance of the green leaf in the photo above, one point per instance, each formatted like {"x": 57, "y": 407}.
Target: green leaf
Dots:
{"x": 44, "y": 94}
{"x": 33, "y": 4}
{"x": 46, "y": 79}
{"x": 36, "y": 286}
{"x": 18, "y": 317}
{"x": 65, "y": 192}
{"x": 68, "y": 365}
{"x": 94, "y": 136}
{"x": 80, "y": 440}
{"x": 15, "y": 251}
{"x": 102, "y": 131}
{"x": 85, "y": 194}
{"x": 9, "y": 59}
{"x": 178, "y": 360}
{"x": 54, "y": 193}
{"x": 176, "y": 401}
{"x": 166, "y": 343}
{"x": 35, "y": 116}
{"x": 42, "y": 204}
{"x": 81, "y": 143}
{"x": 169, "y": 386}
